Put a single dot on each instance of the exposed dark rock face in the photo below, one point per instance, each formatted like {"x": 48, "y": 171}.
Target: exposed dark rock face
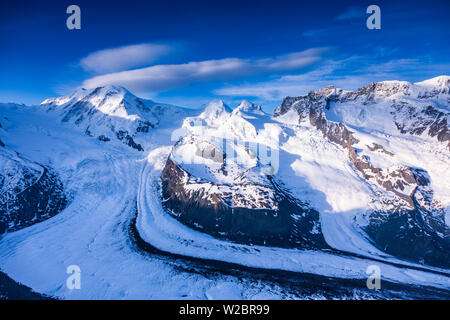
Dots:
{"x": 376, "y": 146}
{"x": 289, "y": 224}
{"x": 12, "y": 290}
{"x": 416, "y": 235}
{"x": 2, "y": 144}
{"x": 103, "y": 138}
{"x": 125, "y": 137}
{"x": 39, "y": 201}
{"x": 144, "y": 126}
{"x": 413, "y": 120}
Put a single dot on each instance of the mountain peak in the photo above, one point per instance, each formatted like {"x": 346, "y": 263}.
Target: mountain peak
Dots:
{"x": 439, "y": 81}
{"x": 216, "y": 107}
{"x": 111, "y": 100}
{"x": 111, "y": 89}
{"x": 214, "y": 111}
{"x": 248, "y": 107}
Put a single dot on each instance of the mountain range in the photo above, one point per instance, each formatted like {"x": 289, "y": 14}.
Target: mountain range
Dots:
{"x": 332, "y": 182}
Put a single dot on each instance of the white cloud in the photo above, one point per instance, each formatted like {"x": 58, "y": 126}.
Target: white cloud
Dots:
{"x": 123, "y": 58}
{"x": 393, "y": 65}
{"x": 164, "y": 77}
{"x": 289, "y": 85}
{"x": 349, "y": 74}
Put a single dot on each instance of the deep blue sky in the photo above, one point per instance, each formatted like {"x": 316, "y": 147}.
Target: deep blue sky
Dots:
{"x": 234, "y": 43}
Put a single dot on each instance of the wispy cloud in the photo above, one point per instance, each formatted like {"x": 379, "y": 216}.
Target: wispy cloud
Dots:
{"x": 352, "y": 13}
{"x": 339, "y": 73}
{"x": 123, "y": 58}
{"x": 164, "y": 77}
{"x": 277, "y": 89}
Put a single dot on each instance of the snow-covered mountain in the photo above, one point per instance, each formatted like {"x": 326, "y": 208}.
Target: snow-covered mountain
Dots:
{"x": 405, "y": 175}
{"x": 111, "y": 112}
{"x": 226, "y": 189}
{"x": 332, "y": 182}
{"x": 413, "y": 108}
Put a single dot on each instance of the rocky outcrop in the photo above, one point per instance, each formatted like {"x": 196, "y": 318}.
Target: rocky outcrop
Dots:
{"x": 128, "y": 140}
{"x": 378, "y": 147}
{"x": 413, "y": 120}
{"x": 310, "y": 108}
{"x": 335, "y": 132}
{"x": 401, "y": 181}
